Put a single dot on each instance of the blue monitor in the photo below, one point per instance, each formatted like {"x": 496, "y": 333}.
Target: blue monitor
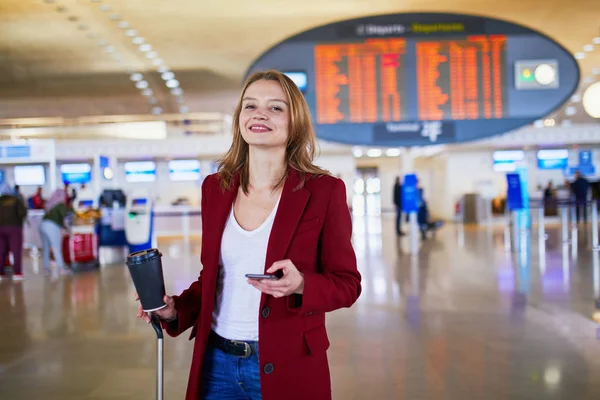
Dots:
{"x": 184, "y": 170}
{"x": 76, "y": 173}
{"x": 553, "y": 159}
{"x": 140, "y": 171}
{"x": 299, "y": 78}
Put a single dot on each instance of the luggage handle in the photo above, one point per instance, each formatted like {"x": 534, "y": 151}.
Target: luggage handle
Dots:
{"x": 155, "y": 321}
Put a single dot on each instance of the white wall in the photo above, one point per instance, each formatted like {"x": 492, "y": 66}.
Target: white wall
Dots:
{"x": 389, "y": 168}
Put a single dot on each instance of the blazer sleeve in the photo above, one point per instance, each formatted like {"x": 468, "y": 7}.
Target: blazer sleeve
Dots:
{"x": 337, "y": 284}
{"x": 189, "y": 302}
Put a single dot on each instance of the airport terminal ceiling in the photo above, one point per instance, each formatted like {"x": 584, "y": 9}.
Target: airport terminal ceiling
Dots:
{"x": 56, "y": 53}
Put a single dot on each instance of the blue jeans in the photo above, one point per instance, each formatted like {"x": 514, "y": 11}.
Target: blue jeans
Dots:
{"x": 228, "y": 377}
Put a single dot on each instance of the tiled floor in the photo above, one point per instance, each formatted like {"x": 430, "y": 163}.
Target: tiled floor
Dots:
{"x": 462, "y": 320}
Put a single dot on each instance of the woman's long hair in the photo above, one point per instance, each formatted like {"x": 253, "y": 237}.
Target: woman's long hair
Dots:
{"x": 300, "y": 148}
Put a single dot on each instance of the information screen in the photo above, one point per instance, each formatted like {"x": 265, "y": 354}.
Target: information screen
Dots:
{"x": 369, "y": 81}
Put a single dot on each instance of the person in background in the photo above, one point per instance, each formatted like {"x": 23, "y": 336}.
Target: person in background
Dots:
{"x": 580, "y": 188}
{"x": 37, "y": 201}
{"x": 51, "y": 229}
{"x": 398, "y": 204}
{"x": 18, "y": 194}
{"x": 12, "y": 216}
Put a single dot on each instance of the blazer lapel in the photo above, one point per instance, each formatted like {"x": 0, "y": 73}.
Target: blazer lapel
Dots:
{"x": 290, "y": 210}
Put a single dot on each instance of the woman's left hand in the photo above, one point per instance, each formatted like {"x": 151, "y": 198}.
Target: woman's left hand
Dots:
{"x": 292, "y": 281}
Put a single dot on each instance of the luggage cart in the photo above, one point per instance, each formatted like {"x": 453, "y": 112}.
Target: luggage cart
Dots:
{"x": 80, "y": 245}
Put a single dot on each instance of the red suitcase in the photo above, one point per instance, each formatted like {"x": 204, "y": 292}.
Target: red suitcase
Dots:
{"x": 80, "y": 248}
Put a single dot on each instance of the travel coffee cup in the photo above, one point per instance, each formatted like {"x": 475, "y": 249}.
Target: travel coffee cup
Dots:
{"x": 145, "y": 268}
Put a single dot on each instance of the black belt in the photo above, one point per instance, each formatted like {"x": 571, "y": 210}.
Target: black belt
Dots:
{"x": 235, "y": 348}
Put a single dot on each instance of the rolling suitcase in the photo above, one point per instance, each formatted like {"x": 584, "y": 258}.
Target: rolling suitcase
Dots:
{"x": 80, "y": 249}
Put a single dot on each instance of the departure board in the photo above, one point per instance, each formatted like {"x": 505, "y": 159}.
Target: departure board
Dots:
{"x": 461, "y": 79}
{"x": 369, "y": 81}
{"x": 361, "y": 82}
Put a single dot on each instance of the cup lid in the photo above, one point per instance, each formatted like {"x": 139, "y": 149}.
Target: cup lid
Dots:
{"x": 143, "y": 256}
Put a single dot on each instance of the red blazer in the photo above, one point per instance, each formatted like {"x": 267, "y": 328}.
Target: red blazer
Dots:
{"x": 313, "y": 229}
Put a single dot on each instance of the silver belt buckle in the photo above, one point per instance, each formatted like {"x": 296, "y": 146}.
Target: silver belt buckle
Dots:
{"x": 247, "y": 348}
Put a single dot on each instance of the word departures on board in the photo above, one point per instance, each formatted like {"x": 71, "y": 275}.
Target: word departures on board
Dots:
{"x": 418, "y": 79}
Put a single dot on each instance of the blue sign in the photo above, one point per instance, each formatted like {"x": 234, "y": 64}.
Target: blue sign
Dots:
{"x": 2, "y": 175}
{"x": 379, "y": 80}
{"x": 585, "y": 157}
{"x": 515, "y": 193}
{"x": 586, "y": 170}
{"x": 410, "y": 194}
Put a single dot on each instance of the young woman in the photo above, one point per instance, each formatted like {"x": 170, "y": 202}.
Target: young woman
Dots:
{"x": 269, "y": 210}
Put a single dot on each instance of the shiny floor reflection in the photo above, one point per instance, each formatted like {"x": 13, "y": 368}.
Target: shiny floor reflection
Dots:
{"x": 464, "y": 319}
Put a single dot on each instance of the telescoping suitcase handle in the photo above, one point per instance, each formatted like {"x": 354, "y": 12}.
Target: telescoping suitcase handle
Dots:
{"x": 155, "y": 320}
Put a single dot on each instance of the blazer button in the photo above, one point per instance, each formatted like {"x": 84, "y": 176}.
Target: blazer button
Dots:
{"x": 265, "y": 312}
{"x": 268, "y": 369}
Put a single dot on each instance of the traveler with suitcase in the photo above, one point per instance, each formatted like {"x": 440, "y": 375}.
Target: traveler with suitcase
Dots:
{"x": 276, "y": 255}
{"x": 12, "y": 216}
{"x": 51, "y": 231}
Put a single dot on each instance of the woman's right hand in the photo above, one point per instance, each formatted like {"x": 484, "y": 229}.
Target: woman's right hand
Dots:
{"x": 166, "y": 313}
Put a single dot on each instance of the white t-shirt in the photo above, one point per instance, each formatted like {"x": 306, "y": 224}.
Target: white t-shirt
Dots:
{"x": 237, "y": 303}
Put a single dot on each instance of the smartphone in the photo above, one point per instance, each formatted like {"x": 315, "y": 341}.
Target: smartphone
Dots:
{"x": 262, "y": 276}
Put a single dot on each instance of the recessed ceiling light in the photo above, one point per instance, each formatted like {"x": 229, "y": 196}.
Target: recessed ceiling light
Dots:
{"x": 374, "y": 153}
{"x": 538, "y": 123}
{"x": 184, "y": 109}
{"x": 596, "y": 40}
{"x": 588, "y": 47}
{"x": 105, "y": 7}
{"x": 145, "y": 47}
{"x": 136, "y": 77}
{"x": 137, "y": 40}
{"x": 579, "y": 55}
{"x": 115, "y": 17}
{"x": 141, "y": 85}
{"x": 393, "y": 152}
{"x": 549, "y": 122}
{"x": 172, "y": 83}
{"x": 177, "y": 92}
{"x": 151, "y": 55}
{"x": 576, "y": 98}
{"x": 357, "y": 153}
{"x": 124, "y": 25}
{"x": 156, "y": 110}
{"x": 158, "y": 61}
{"x": 596, "y": 71}
{"x": 147, "y": 92}
{"x": 570, "y": 111}
{"x": 588, "y": 79}
{"x": 131, "y": 33}
{"x": 168, "y": 75}
{"x": 163, "y": 68}
{"x": 110, "y": 49}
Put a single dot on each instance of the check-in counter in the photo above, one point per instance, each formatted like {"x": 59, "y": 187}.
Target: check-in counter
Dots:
{"x": 177, "y": 221}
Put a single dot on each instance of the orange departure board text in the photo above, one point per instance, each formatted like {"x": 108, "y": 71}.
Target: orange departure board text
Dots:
{"x": 461, "y": 79}
{"x": 360, "y": 82}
